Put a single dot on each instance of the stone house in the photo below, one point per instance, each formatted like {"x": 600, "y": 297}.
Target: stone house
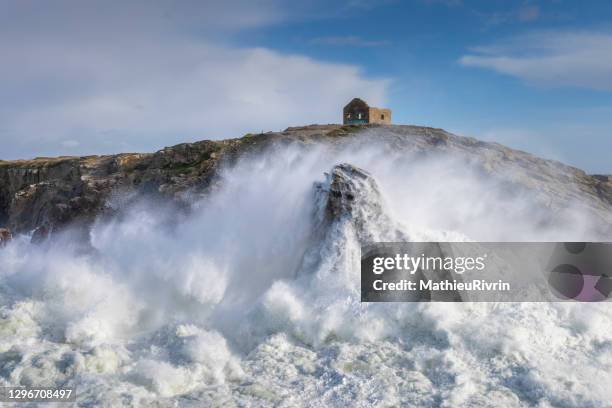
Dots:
{"x": 359, "y": 112}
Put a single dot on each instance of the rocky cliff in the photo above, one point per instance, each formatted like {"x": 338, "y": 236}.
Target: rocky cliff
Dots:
{"x": 45, "y": 194}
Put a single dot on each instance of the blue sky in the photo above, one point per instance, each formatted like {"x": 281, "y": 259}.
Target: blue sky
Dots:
{"x": 430, "y": 51}
{"x": 133, "y": 76}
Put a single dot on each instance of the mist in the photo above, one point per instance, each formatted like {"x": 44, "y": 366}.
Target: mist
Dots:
{"x": 244, "y": 300}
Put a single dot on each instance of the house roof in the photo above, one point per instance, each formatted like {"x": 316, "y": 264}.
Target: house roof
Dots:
{"x": 358, "y": 101}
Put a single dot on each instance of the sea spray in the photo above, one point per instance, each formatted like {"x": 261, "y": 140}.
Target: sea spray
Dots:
{"x": 253, "y": 298}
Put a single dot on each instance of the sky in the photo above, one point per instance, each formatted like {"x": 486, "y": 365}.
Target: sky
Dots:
{"x": 98, "y": 77}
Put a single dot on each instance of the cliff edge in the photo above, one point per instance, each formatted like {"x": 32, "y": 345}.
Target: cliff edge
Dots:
{"x": 45, "y": 194}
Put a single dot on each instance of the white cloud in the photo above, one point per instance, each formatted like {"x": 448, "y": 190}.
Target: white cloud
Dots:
{"x": 141, "y": 78}
{"x": 551, "y": 58}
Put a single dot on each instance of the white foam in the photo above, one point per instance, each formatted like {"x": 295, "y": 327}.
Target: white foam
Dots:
{"x": 238, "y": 304}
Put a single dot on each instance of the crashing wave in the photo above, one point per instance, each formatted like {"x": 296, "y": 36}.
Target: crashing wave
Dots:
{"x": 254, "y": 300}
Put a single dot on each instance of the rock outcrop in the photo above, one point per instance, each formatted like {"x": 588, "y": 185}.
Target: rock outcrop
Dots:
{"x": 5, "y": 236}
{"x": 46, "y": 194}
{"x": 345, "y": 184}
{"x": 351, "y": 193}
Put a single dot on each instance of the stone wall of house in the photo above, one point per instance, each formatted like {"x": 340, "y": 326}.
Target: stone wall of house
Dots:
{"x": 380, "y": 116}
{"x": 358, "y": 111}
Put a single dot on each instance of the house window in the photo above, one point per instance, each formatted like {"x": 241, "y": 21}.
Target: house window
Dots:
{"x": 359, "y": 116}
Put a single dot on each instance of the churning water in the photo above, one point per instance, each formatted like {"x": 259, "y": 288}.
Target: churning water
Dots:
{"x": 252, "y": 299}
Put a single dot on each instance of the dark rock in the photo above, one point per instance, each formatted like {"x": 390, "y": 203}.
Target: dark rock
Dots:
{"x": 347, "y": 184}
{"x": 5, "y": 236}
{"x": 350, "y": 194}
{"x": 60, "y": 191}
